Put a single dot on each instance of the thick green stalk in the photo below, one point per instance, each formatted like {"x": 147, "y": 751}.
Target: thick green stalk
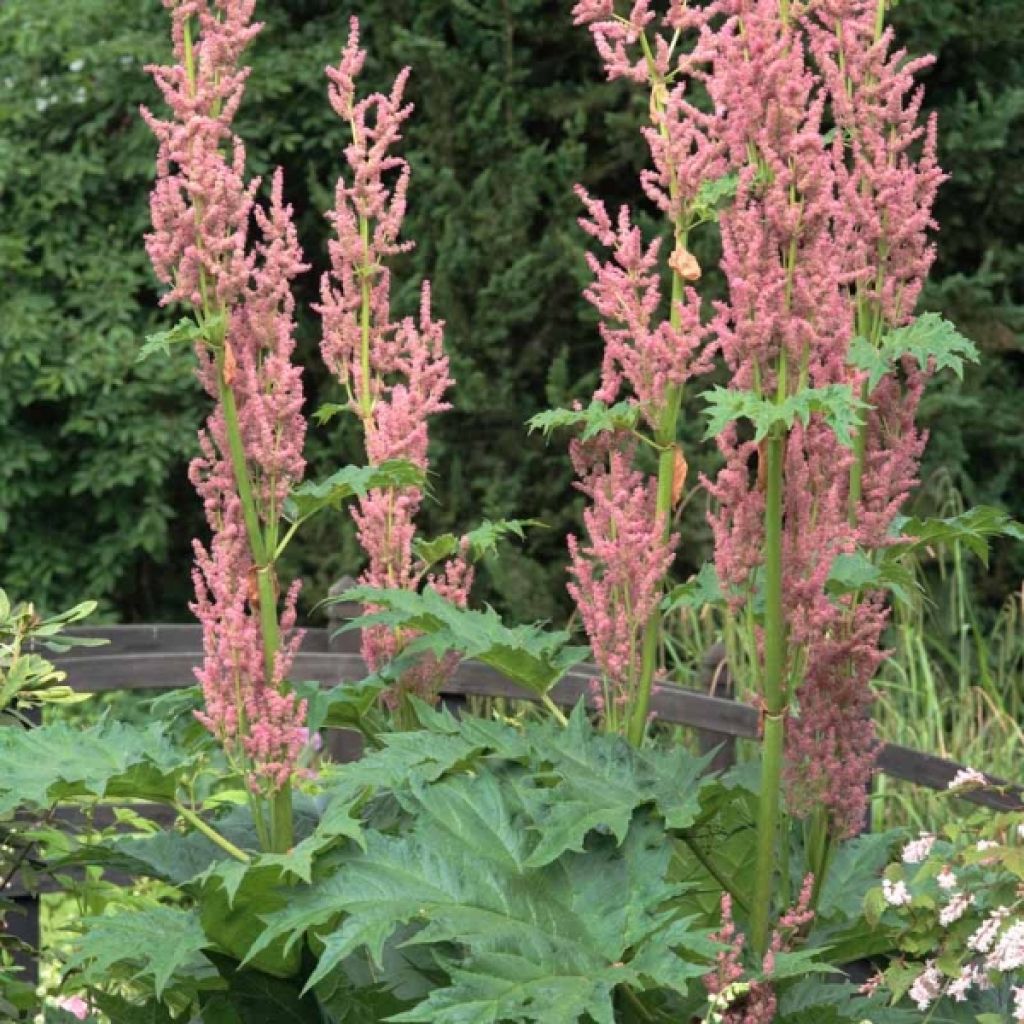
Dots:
{"x": 860, "y": 445}
{"x": 281, "y": 828}
{"x": 774, "y": 696}
{"x": 666, "y": 440}
{"x": 241, "y": 470}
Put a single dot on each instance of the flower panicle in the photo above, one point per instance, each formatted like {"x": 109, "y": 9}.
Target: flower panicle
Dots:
{"x": 202, "y": 245}
{"x": 395, "y": 372}
{"x": 616, "y": 575}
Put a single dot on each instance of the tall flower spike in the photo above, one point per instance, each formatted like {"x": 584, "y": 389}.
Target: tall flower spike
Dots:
{"x": 886, "y": 196}
{"x": 395, "y": 373}
{"x": 788, "y": 321}
{"x": 617, "y": 578}
{"x": 888, "y": 178}
{"x": 241, "y": 290}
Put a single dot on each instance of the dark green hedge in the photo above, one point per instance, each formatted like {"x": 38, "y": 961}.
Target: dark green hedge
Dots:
{"x": 511, "y": 111}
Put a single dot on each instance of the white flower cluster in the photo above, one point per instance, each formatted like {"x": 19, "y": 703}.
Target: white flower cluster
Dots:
{"x": 918, "y": 849}
{"x": 968, "y": 778}
{"x": 954, "y": 909}
{"x": 993, "y": 952}
{"x": 896, "y": 893}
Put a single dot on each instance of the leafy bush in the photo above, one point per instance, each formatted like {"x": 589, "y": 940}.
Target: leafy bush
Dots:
{"x": 102, "y": 443}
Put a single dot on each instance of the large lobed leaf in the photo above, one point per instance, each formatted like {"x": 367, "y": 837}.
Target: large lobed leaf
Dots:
{"x": 146, "y": 945}
{"x": 835, "y": 403}
{"x": 349, "y": 482}
{"x": 597, "y": 418}
{"x": 39, "y": 767}
{"x": 973, "y": 529}
{"x": 540, "y": 854}
{"x": 929, "y": 340}
{"x": 529, "y": 655}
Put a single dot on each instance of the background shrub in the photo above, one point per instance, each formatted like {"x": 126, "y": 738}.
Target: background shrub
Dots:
{"x": 511, "y": 112}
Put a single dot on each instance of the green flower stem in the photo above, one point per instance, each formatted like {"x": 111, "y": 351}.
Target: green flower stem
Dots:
{"x": 860, "y": 445}
{"x": 282, "y": 834}
{"x": 666, "y": 439}
{"x": 366, "y": 399}
{"x": 880, "y": 19}
{"x": 554, "y": 709}
{"x": 262, "y": 548}
{"x": 211, "y": 833}
{"x": 774, "y": 696}
{"x": 240, "y": 468}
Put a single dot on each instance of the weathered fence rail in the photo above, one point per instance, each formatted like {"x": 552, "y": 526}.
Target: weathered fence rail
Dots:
{"x": 160, "y": 657}
{"x": 164, "y": 657}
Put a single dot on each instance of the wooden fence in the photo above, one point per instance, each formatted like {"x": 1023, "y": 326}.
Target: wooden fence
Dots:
{"x": 162, "y": 657}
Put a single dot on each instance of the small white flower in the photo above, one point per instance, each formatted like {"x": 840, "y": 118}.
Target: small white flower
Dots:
{"x": 8, "y": 82}
{"x": 985, "y": 935}
{"x": 958, "y": 988}
{"x": 946, "y": 878}
{"x": 986, "y": 844}
{"x": 927, "y": 988}
{"x": 955, "y": 909}
{"x": 1009, "y": 952}
{"x": 967, "y": 777}
{"x": 896, "y": 893}
{"x": 1020, "y": 827}
{"x": 78, "y": 96}
{"x": 76, "y": 65}
{"x": 918, "y": 849}
{"x": 42, "y": 103}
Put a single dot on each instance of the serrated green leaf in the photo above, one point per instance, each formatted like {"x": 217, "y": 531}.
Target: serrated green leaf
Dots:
{"x": 703, "y": 589}
{"x": 813, "y": 1000}
{"x": 528, "y": 655}
{"x": 835, "y": 403}
{"x": 173, "y": 856}
{"x": 326, "y": 412}
{"x": 799, "y": 963}
{"x": 929, "y": 338}
{"x": 349, "y": 482}
{"x": 507, "y": 987}
{"x": 480, "y": 542}
{"x": 153, "y": 944}
{"x": 871, "y": 359}
{"x": 39, "y": 767}
{"x": 483, "y": 540}
{"x": 124, "y": 1012}
{"x": 854, "y": 572}
{"x": 597, "y": 418}
{"x": 235, "y": 899}
{"x": 564, "y": 921}
{"x": 342, "y": 706}
{"x": 434, "y": 550}
{"x": 599, "y": 781}
{"x": 856, "y": 868}
{"x": 184, "y": 332}
{"x": 972, "y": 528}
{"x": 714, "y": 195}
